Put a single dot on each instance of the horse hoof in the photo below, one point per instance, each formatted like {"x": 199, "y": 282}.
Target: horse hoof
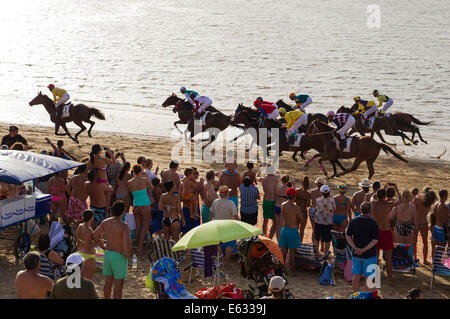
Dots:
{"x": 76, "y": 141}
{"x": 90, "y": 135}
{"x": 416, "y": 142}
{"x": 425, "y": 142}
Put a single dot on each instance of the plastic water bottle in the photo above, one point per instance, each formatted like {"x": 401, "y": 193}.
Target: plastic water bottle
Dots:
{"x": 134, "y": 262}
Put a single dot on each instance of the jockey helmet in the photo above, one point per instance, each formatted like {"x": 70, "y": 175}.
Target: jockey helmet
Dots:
{"x": 356, "y": 98}
{"x": 257, "y": 102}
{"x": 330, "y": 113}
{"x": 182, "y": 89}
{"x": 282, "y": 110}
{"x": 292, "y": 96}
{"x": 51, "y": 86}
{"x": 375, "y": 93}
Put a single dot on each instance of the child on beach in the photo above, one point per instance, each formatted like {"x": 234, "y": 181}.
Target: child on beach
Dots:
{"x": 250, "y": 173}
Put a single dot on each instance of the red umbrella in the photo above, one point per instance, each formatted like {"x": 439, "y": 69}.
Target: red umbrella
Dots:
{"x": 273, "y": 247}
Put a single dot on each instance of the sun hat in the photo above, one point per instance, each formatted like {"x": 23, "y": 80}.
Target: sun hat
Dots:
{"x": 325, "y": 189}
{"x": 320, "y": 180}
{"x": 277, "y": 283}
{"x": 291, "y": 192}
{"x": 223, "y": 189}
{"x": 73, "y": 260}
{"x": 365, "y": 183}
{"x": 342, "y": 188}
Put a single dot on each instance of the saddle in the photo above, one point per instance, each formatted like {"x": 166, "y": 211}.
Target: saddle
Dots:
{"x": 64, "y": 110}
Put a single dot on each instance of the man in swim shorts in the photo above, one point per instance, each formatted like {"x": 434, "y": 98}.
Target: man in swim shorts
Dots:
{"x": 118, "y": 250}
{"x": 97, "y": 199}
{"x": 440, "y": 229}
{"x": 380, "y": 211}
{"x": 269, "y": 185}
{"x": 291, "y": 216}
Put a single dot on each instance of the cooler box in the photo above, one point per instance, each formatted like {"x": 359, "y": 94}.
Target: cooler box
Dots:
{"x": 43, "y": 204}
{"x": 11, "y": 211}
{"x": 19, "y": 209}
{"x": 30, "y": 206}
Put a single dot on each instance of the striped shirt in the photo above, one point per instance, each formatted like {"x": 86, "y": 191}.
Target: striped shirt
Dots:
{"x": 249, "y": 199}
{"x": 340, "y": 119}
{"x": 46, "y": 266}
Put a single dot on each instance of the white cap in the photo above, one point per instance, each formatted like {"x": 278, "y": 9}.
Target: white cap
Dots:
{"x": 325, "y": 189}
{"x": 73, "y": 260}
{"x": 277, "y": 283}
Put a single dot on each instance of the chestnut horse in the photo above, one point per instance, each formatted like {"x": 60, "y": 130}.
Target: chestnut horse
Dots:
{"x": 364, "y": 149}
{"x": 78, "y": 113}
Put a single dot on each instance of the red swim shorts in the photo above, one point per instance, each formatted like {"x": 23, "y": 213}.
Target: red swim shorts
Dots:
{"x": 385, "y": 240}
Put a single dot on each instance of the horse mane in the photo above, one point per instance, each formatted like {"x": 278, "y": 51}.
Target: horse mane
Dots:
{"x": 325, "y": 125}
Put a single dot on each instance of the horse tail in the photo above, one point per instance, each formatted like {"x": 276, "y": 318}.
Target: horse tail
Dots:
{"x": 388, "y": 150}
{"x": 96, "y": 113}
{"x": 418, "y": 122}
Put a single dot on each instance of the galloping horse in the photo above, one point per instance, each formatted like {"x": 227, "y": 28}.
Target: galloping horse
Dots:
{"x": 183, "y": 108}
{"x": 78, "y": 113}
{"x": 390, "y": 125}
{"x": 364, "y": 149}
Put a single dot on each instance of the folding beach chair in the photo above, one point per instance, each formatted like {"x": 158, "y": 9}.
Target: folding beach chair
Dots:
{"x": 402, "y": 259}
{"x": 165, "y": 280}
{"x": 307, "y": 257}
{"x": 198, "y": 263}
{"x": 163, "y": 248}
{"x": 441, "y": 263}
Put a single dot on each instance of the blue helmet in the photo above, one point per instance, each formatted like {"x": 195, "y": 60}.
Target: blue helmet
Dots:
{"x": 182, "y": 89}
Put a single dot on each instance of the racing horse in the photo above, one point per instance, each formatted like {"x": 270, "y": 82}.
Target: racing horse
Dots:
{"x": 363, "y": 149}
{"x": 78, "y": 114}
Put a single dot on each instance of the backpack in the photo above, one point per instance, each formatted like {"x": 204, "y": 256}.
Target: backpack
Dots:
{"x": 326, "y": 274}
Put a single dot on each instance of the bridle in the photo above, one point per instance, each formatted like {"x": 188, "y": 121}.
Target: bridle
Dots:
{"x": 315, "y": 129}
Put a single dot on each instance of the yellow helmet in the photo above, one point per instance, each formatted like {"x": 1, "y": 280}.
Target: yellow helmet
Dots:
{"x": 292, "y": 96}
{"x": 282, "y": 110}
{"x": 356, "y": 98}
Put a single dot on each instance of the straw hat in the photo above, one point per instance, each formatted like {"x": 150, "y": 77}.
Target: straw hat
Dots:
{"x": 365, "y": 183}
{"x": 223, "y": 190}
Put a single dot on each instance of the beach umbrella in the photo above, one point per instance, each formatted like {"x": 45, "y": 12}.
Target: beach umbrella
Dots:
{"x": 215, "y": 232}
{"x": 272, "y": 246}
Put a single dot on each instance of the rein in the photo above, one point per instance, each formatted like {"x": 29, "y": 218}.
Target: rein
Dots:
{"x": 320, "y": 133}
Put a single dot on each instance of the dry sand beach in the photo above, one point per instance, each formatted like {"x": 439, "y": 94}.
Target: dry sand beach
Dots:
{"x": 304, "y": 284}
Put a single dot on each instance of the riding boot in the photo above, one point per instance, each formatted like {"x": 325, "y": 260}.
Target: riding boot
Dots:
{"x": 59, "y": 114}
{"x": 291, "y": 139}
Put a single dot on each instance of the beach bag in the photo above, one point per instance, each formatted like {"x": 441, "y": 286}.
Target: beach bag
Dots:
{"x": 348, "y": 265}
{"x": 326, "y": 274}
{"x": 229, "y": 291}
{"x": 208, "y": 293}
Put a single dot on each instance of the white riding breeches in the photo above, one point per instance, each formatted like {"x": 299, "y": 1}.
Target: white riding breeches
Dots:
{"x": 302, "y": 120}
{"x": 203, "y": 106}
{"x": 371, "y": 110}
{"x": 62, "y": 100}
{"x": 347, "y": 126}
{"x": 387, "y": 104}
{"x": 273, "y": 115}
{"x": 305, "y": 104}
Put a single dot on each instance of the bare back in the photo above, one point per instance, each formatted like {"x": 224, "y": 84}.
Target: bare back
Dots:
{"x": 117, "y": 235}
{"x": 291, "y": 214}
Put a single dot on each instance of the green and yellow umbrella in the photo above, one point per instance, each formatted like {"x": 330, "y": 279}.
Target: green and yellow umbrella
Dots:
{"x": 215, "y": 232}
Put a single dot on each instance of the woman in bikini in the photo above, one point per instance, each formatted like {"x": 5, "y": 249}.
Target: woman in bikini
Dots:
{"x": 423, "y": 203}
{"x": 86, "y": 244}
{"x": 57, "y": 188}
{"x": 100, "y": 162}
{"x": 343, "y": 212}
{"x": 122, "y": 191}
{"x": 170, "y": 203}
{"x": 139, "y": 186}
{"x": 303, "y": 200}
{"x": 406, "y": 216}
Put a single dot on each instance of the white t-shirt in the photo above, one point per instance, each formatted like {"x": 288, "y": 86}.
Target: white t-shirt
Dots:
{"x": 150, "y": 175}
{"x": 223, "y": 209}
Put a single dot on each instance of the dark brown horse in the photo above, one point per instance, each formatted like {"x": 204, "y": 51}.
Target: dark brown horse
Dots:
{"x": 391, "y": 125}
{"x": 364, "y": 149}
{"x": 183, "y": 108}
{"x": 79, "y": 113}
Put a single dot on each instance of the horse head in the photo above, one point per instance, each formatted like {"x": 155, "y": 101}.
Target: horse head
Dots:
{"x": 281, "y": 103}
{"x": 37, "y": 100}
{"x": 171, "y": 100}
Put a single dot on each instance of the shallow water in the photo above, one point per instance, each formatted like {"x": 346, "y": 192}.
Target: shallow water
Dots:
{"x": 126, "y": 57}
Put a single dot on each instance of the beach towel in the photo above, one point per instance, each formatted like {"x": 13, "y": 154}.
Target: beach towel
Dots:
{"x": 348, "y": 265}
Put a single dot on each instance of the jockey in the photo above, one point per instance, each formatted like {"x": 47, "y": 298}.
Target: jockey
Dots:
{"x": 267, "y": 109}
{"x": 301, "y": 100}
{"x": 188, "y": 93}
{"x": 365, "y": 107}
{"x": 344, "y": 123}
{"x": 60, "y": 96}
{"x": 383, "y": 99}
{"x": 201, "y": 103}
{"x": 294, "y": 120}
